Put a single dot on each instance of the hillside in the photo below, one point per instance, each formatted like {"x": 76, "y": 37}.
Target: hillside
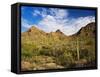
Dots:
{"x": 88, "y": 30}
{"x": 54, "y": 50}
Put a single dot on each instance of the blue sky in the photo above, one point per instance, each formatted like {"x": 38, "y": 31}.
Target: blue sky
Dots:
{"x": 69, "y": 21}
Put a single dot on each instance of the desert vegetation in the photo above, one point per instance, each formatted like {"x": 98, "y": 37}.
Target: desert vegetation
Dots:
{"x": 55, "y": 50}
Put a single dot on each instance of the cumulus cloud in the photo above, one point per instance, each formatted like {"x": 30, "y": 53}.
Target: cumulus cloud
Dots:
{"x": 58, "y": 13}
{"x": 54, "y": 19}
{"x": 36, "y": 13}
{"x": 76, "y": 24}
{"x": 49, "y": 24}
{"x": 58, "y": 19}
{"x": 25, "y": 23}
{"x": 42, "y": 13}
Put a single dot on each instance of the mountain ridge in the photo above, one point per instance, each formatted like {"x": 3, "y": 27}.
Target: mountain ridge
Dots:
{"x": 35, "y": 30}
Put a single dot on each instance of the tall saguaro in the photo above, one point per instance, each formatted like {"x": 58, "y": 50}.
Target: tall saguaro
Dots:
{"x": 78, "y": 51}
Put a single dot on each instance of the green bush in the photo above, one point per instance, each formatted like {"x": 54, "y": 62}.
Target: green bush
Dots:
{"x": 25, "y": 53}
{"x": 87, "y": 54}
{"x": 45, "y": 52}
{"x": 66, "y": 59}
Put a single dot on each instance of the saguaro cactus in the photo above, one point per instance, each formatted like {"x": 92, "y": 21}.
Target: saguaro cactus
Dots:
{"x": 78, "y": 51}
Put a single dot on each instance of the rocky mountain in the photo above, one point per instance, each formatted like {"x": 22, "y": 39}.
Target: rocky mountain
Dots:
{"x": 88, "y": 30}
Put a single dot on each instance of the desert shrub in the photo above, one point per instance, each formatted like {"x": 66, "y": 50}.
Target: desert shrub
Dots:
{"x": 57, "y": 52}
{"x": 31, "y": 49}
{"x": 26, "y": 54}
{"x": 27, "y": 47}
{"x": 87, "y": 54}
{"x": 73, "y": 53}
{"x": 51, "y": 51}
{"x": 65, "y": 60}
{"x": 45, "y": 52}
{"x": 35, "y": 51}
{"x": 83, "y": 53}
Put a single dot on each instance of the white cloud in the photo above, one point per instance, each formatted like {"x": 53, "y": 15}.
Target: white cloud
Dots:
{"x": 54, "y": 19}
{"x": 36, "y": 13}
{"x": 58, "y": 13}
{"x": 42, "y": 13}
{"x": 25, "y": 23}
{"x": 76, "y": 24}
{"x": 50, "y": 24}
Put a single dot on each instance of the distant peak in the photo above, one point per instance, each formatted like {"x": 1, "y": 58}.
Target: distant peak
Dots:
{"x": 87, "y": 28}
{"x": 91, "y": 24}
{"x": 58, "y": 31}
{"x": 33, "y": 28}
